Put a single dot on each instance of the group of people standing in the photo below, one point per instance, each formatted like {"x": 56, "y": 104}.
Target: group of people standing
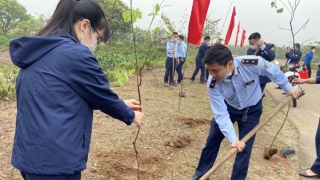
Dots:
{"x": 176, "y": 56}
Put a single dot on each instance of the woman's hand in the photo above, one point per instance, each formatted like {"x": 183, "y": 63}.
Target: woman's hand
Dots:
{"x": 134, "y": 105}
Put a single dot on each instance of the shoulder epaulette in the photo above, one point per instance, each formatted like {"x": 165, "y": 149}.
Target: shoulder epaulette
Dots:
{"x": 250, "y": 62}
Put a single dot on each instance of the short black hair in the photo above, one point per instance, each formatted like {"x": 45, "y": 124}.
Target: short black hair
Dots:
{"x": 174, "y": 33}
{"x": 181, "y": 37}
{"x": 218, "y": 54}
{"x": 207, "y": 37}
{"x": 313, "y": 47}
{"x": 297, "y": 45}
{"x": 255, "y": 35}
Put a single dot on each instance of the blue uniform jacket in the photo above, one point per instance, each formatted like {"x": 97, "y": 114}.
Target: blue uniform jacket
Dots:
{"x": 293, "y": 57}
{"x": 59, "y": 85}
{"x": 201, "y": 52}
{"x": 309, "y": 57}
{"x": 267, "y": 52}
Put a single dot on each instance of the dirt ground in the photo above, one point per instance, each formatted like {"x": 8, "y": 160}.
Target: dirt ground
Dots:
{"x": 170, "y": 142}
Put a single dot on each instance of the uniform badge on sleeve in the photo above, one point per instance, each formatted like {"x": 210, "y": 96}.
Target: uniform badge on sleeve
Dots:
{"x": 212, "y": 84}
{"x": 272, "y": 49}
{"x": 250, "y": 62}
{"x": 266, "y": 64}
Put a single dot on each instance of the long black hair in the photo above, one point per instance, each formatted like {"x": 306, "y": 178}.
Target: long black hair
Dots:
{"x": 69, "y": 12}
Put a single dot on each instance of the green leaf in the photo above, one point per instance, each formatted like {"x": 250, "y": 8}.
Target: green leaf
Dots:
{"x": 280, "y": 10}
{"x": 152, "y": 14}
{"x": 138, "y": 13}
{"x": 272, "y": 4}
{"x": 157, "y": 7}
{"x": 126, "y": 16}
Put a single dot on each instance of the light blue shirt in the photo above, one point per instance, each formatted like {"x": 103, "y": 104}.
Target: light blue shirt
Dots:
{"x": 182, "y": 50}
{"x": 239, "y": 96}
{"x": 170, "y": 47}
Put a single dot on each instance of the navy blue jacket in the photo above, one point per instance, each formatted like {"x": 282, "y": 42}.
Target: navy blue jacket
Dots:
{"x": 267, "y": 52}
{"x": 202, "y": 51}
{"x": 59, "y": 85}
{"x": 293, "y": 57}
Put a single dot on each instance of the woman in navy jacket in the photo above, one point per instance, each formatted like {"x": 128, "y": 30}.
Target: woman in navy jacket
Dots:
{"x": 59, "y": 85}
{"x": 314, "y": 171}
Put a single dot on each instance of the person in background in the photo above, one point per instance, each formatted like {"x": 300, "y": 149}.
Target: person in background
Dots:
{"x": 235, "y": 96}
{"x": 181, "y": 56}
{"x": 172, "y": 46}
{"x": 293, "y": 57}
{"x": 199, "y": 65}
{"x": 265, "y": 50}
{"x": 59, "y": 85}
{"x": 218, "y": 41}
{"x": 308, "y": 60}
{"x": 314, "y": 171}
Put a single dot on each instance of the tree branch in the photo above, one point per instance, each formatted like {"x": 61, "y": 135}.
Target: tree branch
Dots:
{"x": 302, "y": 27}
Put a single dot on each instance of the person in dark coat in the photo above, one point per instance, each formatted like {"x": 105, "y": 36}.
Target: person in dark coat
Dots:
{"x": 265, "y": 50}
{"x": 59, "y": 85}
{"x": 314, "y": 171}
{"x": 199, "y": 65}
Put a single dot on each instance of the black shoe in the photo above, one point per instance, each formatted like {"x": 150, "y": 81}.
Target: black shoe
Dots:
{"x": 304, "y": 174}
{"x": 195, "y": 177}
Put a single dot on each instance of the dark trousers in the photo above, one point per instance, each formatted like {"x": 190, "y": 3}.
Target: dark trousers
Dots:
{"x": 309, "y": 70}
{"x": 169, "y": 73}
{"x": 28, "y": 176}
{"x": 210, "y": 151}
{"x": 262, "y": 86}
{"x": 179, "y": 71}
{"x": 316, "y": 165}
{"x": 199, "y": 66}
{"x": 318, "y": 72}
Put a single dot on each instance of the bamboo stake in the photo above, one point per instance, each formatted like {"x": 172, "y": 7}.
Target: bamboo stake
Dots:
{"x": 247, "y": 137}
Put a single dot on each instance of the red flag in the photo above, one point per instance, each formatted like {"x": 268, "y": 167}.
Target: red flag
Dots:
{"x": 243, "y": 38}
{"x": 197, "y": 19}
{"x": 236, "y": 44}
{"x": 231, "y": 26}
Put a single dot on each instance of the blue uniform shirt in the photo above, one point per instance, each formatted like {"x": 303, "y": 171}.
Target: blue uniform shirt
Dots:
{"x": 172, "y": 45}
{"x": 182, "y": 50}
{"x": 239, "y": 96}
{"x": 202, "y": 51}
{"x": 267, "y": 52}
{"x": 308, "y": 59}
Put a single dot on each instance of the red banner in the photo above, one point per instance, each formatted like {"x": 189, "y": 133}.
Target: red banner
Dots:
{"x": 231, "y": 26}
{"x": 236, "y": 44}
{"x": 243, "y": 38}
{"x": 197, "y": 19}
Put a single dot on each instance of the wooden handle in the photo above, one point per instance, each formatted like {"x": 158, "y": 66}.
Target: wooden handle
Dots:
{"x": 247, "y": 137}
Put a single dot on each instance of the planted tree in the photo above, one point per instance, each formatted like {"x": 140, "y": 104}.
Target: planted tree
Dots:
{"x": 11, "y": 14}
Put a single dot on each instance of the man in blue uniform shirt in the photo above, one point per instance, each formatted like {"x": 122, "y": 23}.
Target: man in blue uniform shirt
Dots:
{"x": 171, "y": 54}
{"x": 265, "y": 50}
{"x": 308, "y": 60}
{"x": 235, "y": 95}
{"x": 181, "y": 56}
{"x": 199, "y": 66}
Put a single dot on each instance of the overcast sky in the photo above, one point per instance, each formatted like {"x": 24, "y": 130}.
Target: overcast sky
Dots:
{"x": 254, "y": 16}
